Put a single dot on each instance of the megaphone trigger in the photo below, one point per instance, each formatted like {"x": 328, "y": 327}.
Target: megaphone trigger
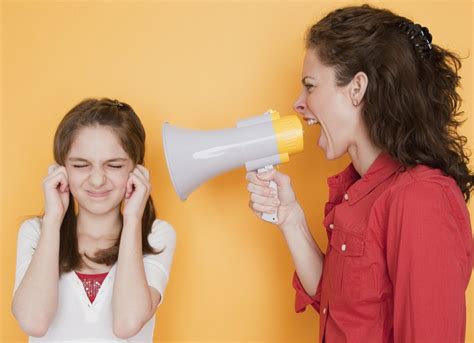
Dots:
{"x": 270, "y": 217}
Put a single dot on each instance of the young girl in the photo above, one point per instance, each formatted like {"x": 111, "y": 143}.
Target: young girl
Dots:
{"x": 95, "y": 266}
{"x": 398, "y": 260}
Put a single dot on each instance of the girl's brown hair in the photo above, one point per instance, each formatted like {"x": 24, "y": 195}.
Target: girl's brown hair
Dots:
{"x": 123, "y": 120}
{"x": 411, "y": 107}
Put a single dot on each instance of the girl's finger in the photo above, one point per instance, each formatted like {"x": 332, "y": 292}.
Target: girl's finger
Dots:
{"x": 55, "y": 169}
{"x": 130, "y": 185}
{"x": 57, "y": 180}
{"x": 63, "y": 184}
{"x": 144, "y": 172}
{"x": 139, "y": 174}
{"x": 52, "y": 168}
{"x": 142, "y": 178}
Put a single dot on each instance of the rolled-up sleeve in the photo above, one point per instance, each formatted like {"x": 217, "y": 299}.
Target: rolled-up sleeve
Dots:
{"x": 302, "y": 298}
{"x": 428, "y": 261}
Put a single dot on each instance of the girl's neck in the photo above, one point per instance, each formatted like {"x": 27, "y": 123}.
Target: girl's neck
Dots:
{"x": 103, "y": 226}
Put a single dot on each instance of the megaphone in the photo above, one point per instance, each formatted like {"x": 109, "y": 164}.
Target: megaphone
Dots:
{"x": 258, "y": 143}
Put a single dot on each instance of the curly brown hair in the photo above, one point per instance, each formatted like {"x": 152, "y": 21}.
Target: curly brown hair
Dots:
{"x": 411, "y": 107}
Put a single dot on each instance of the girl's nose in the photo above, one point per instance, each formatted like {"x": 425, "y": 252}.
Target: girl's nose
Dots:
{"x": 97, "y": 178}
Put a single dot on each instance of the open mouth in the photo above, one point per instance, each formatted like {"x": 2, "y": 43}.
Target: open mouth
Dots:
{"x": 311, "y": 121}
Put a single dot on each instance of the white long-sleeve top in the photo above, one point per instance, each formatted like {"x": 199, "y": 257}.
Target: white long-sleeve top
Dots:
{"x": 79, "y": 320}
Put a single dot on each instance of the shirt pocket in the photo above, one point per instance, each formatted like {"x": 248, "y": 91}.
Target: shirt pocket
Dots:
{"x": 345, "y": 269}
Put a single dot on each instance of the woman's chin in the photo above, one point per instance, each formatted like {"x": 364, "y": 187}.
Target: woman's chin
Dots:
{"x": 330, "y": 153}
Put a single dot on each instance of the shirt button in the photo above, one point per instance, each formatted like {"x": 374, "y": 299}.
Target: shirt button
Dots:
{"x": 343, "y": 247}
{"x": 324, "y": 310}
{"x": 346, "y": 196}
{"x": 331, "y": 226}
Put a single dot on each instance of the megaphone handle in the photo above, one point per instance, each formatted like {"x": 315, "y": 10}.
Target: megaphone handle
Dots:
{"x": 269, "y": 217}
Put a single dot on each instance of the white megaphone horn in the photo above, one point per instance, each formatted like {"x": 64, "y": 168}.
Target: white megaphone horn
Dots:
{"x": 258, "y": 143}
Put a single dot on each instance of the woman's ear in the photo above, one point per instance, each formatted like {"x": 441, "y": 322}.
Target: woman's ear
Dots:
{"x": 358, "y": 87}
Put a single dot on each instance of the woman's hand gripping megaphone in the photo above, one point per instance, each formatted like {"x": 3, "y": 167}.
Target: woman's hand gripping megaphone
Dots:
{"x": 268, "y": 201}
{"x": 270, "y": 217}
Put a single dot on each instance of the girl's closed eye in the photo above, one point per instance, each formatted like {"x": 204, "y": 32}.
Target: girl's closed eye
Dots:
{"x": 85, "y": 165}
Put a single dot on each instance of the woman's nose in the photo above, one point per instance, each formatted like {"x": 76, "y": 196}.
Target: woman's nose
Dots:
{"x": 300, "y": 105}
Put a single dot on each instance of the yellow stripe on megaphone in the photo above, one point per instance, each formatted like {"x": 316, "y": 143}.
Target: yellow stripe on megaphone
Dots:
{"x": 289, "y": 133}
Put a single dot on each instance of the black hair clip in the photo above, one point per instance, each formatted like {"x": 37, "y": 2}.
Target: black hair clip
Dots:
{"x": 420, "y": 36}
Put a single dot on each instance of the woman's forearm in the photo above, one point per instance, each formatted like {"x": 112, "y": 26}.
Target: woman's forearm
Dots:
{"x": 36, "y": 299}
{"x": 306, "y": 254}
{"x": 132, "y": 302}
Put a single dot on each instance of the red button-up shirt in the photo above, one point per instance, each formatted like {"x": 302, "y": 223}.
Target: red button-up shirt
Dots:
{"x": 398, "y": 260}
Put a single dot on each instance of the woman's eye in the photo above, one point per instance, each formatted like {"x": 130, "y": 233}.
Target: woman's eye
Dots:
{"x": 80, "y": 166}
{"x": 115, "y": 166}
{"x": 308, "y": 86}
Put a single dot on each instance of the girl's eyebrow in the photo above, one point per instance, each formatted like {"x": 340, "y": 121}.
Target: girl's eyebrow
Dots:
{"x": 80, "y": 159}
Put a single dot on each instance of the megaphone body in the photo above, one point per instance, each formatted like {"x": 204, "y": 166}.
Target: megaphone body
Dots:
{"x": 258, "y": 143}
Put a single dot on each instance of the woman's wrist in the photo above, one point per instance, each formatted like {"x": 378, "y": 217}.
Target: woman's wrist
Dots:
{"x": 295, "y": 219}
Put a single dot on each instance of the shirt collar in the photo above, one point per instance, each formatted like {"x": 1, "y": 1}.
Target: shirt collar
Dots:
{"x": 340, "y": 182}
{"x": 380, "y": 170}
{"x": 344, "y": 179}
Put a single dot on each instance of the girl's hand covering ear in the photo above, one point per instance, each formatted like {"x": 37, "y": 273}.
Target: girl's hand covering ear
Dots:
{"x": 137, "y": 192}
{"x": 56, "y": 192}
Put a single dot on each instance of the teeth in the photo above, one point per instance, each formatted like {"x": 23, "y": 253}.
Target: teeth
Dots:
{"x": 311, "y": 121}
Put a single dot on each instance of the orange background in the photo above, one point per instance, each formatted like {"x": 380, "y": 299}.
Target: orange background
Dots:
{"x": 199, "y": 65}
